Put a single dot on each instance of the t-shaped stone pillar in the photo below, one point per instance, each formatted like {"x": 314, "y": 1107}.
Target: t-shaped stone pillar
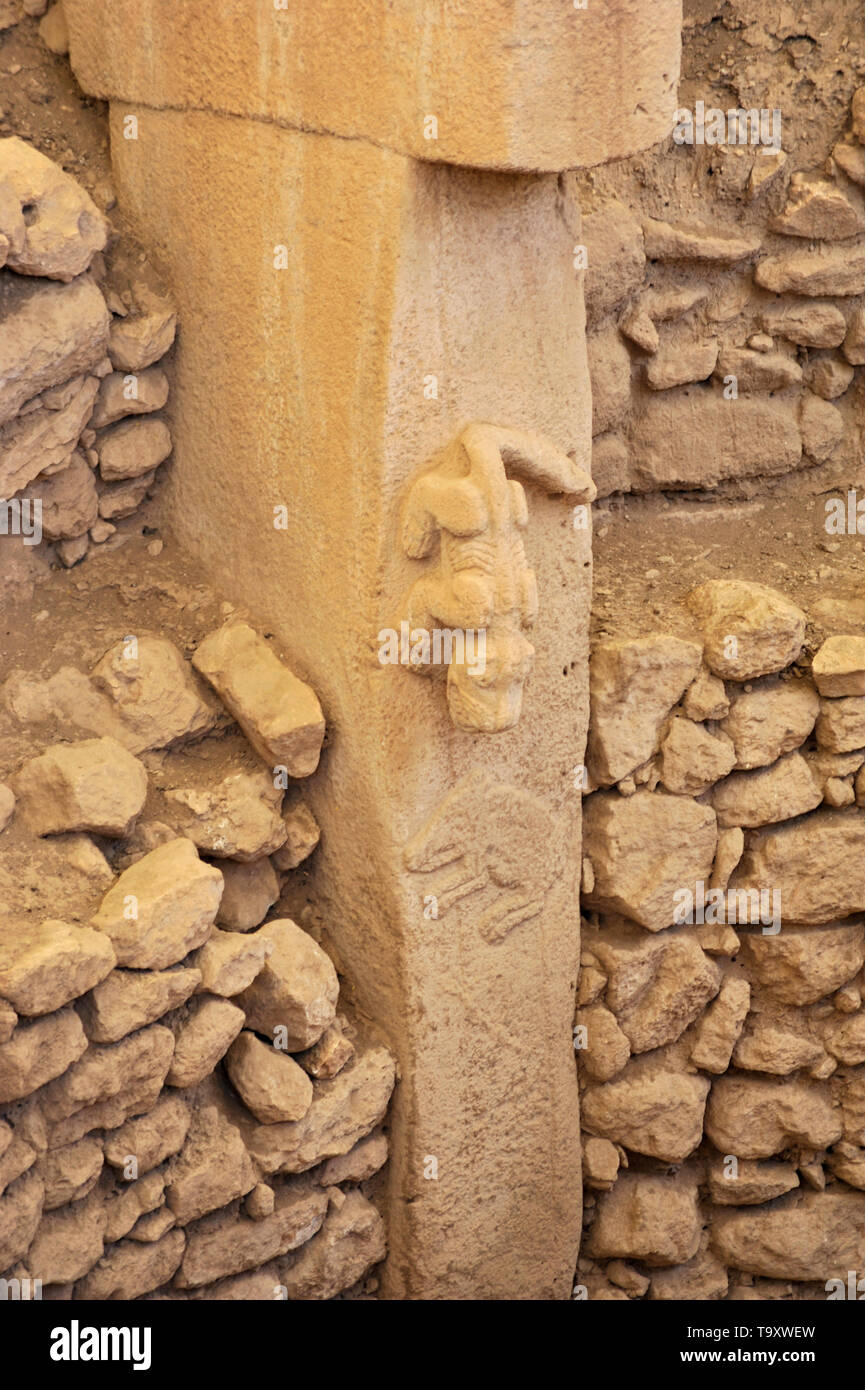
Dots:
{"x": 384, "y": 354}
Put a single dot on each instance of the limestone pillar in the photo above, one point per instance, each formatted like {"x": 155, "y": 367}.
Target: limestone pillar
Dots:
{"x": 383, "y": 353}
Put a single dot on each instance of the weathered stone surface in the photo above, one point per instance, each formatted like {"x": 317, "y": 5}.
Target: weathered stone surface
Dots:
{"x": 854, "y": 340}
{"x": 68, "y": 1242}
{"x": 815, "y": 863}
{"x": 250, "y": 891}
{"x": 610, "y": 372}
{"x": 746, "y": 1183}
{"x": 303, "y": 835}
{"x": 808, "y": 1236}
{"x": 124, "y": 393}
{"x": 8, "y": 1020}
{"x": 238, "y": 819}
{"x": 768, "y": 629}
{"x": 132, "y": 448}
{"x": 93, "y": 785}
{"x": 279, "y": 714}
{"x": 296, "y": 990}
{"x": 606, "y": 1048}
{"x": 758, "y": 371}
{"x": 7, "y": 805}
{"x": 614, "y": 240}
{"x": 692, "y": 757}
{"x": 821, "y": 426}
{"x": 696, "y": 242}
{"x": 343, "y": 1111}
{"x": 847, "y": 1162}
{"x": 731, "y": 844}
{"x": 150, "y": 1138}
{"x": 633, "y": 686}
{"x": 657, "y": 988}
{"x": 757, "y": 438}
{"x": 851, "y": 158}
{"x": 223, "y": 1245}
{"x": 833, "y": 270}
{"x": 777, "y": 1044}
{"x": 70, "y": 504}
{"x": 46, "y": 965}
{"x": 260, "y": 1202}
{"x": 51, "y": 334}
{"x": 769, "y": 794}
{"x": 600, "y": 1163}
{"x": 350, "y": 1242}
{"x": 329, "y": 1055}
{"x": 130, "y": 1269}
{"x": 20, "y": 1212}
{"x": 817, "y": 209}
{"x": 659, "y": 1113}
{"x": 130, "y": 999}
{"x": 42, "y": 442}
{"x": 154, "y": 693}
{"x": 681, "y": 360}
{"x": 212, "y": 1169}
{"x": 71, "y": 1172}
{"x": 141, "y": 338}
{"x": 270, "y": 1083}
{"x": 806, "y": 323}
{"x": 109, "y": 1070}
{"x": 705, "y": 698}
{"x": 63, "y": 228}
{"x": 360, "y": 1163}
{"x": 117, "y": 500}
{"x": 647, "y": 1217}
{"x": 177, "y": 897}
{"x": 773, "y": 718}
{"x": 757, "y": 1117}
{"x": 229, "y": 963}
{"x": 844, "y": 1038}
{"x": 828, "y": 377}
{"x": 609, "y": 464}
{"x": 153, "y": 1225}
{"x": 841, "y": 724}
{"x": 643, "y": 849}
{"x": 698, "y": 1280}
{"x": 202, "y": 1038}
{"x": 800, "y": 966}
{"x": 721, "y": 1024}
{"x": 39, "y": 1051}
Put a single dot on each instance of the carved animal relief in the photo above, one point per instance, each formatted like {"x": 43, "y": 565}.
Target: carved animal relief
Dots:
{"x": 481, "y": 595}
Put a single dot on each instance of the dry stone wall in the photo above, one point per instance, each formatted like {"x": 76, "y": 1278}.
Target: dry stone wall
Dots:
{"x": 720, "y": 1026}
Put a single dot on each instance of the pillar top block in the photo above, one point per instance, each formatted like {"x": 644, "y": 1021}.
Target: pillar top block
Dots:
{"x": 497, "y": 84}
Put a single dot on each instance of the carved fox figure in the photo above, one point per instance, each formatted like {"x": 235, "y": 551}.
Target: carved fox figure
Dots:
{"x": 476, "y": 513}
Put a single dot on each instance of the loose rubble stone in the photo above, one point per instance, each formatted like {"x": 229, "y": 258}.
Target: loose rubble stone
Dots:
{"x": 830, "y": 270}
{"x": 643, "y": 849}
{"x": 821, "y": 426}
{"x": 839, "y": 666}
{"x": 130, "y": 999}
{"x": 633, "y": 686}
{"x": 280, "y": 715}
{"x": 329, "y": 1055}
{"x": 807, "y": 1236}
{"x": 62, "y": 229}
{"x": 600, "y": 1163}
{"x": 154, "y": 693}
{"x": 828, "y": 377}
{"x": 758, "y": 438}
{"x": 7, "y": 805}
{"x": 609, "y": 464}
{"x": 122, "y": 394}
{"x": 224, "y": 1245}
{"x": 93, "y": 785}
{"x": 68, "y": 1242}
{"x": 816, "y": 864}
{"x": 657, "y": 988}
{"x": 269, "y": 1083}
{"x": 150, "y": 1138}
{"x": 697, "y": 242}
{"x": 39, "y": 1051}
{"x": 153, "y": 1226}
{"x": 647, "y": 1217}
{"x": 606, "y": 1048}
{"x": 817, "y": 209}
{"x": 8, "y": 1020}
{"x": 705, "y": 698}
{"x": 229, "y": 963}
{"x": 847, "y": 1162}
{"x": 296, "y": 991}
{"x": 129, "y": 1269}
{"x": 680, "y": 361}
{"x": 616, "y": 260}
{"x": 841, "y": 724}
{"x": 758, "y": 371}
{"x": 768, "y": 630}
{"x": 141, "y": 339}
{"x": 203, "y": 1038}
{"x": 51, "y": 334}
{"x": 854, "y": 340}
{"x": 610, "y": 374}
{"x": 692, "y": 758}
{"x": 260, "y": 1202}
{"x": 53, "y": 29}
{"x": 48, "y": 964}
{"x": 212, "y": 1169}
{"x": 771, "y": 719}
{"x": 776, "y": 1044}
{"x": 731, "y": 845}
{"x": 20, "y": 1214}
{"x": 700, "y": 1279}
{"x": 659, "y": 1113}
{"x": 132, "y": 448}
{"x": 746, "y": 1182}
{"x": 122, "y": 499}
{"x": 108, "y": 1070}
{"x": 800, "y": 966}
{"x": 238, "y": 819}
{"x": 70, "y": 1173}
{"x": 359, "y": 1164}
{"x": 250, "y": 891}
{"x": 302, "y": 837}
{"x": 758, "y": 1117}
{"x": 808, "y": 324}
{"x": 70, "y": 504}
{"x": 851, "y": 158}
{"x": 42, "y": 442}
{"x": 721, "y": 1025}
{"x": 350, "y": 1242}
{"x": 844, "y": 1039}
{"x": 769, "y": 794}
{"x": 176, "y": 897}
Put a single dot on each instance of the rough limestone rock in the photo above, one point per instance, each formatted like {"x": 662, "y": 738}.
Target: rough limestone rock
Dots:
{"x": 351, "y": 1241}
{"x": 854, "y": 339}
{"x": 70, "y": 504}
{"x": 777, "y": 1044}
{"x": 647, "y": 1217}
{"x": 223, "y": 1245}
{"x": 769, "y": 794}
{"x": 122, "y": 394}
{"x": 844, "y": 1038}
{"x": 175, "y": 897}
{"x": 705, "y": 698}
{"x": 8, "y": 1020}
{"x": 7, "y": 805}
{"x": 48, "y": 964}
{"x": 614, "y": 241}
{"x": 606, "y": 1048}
{"x": 39, "y": 1051}
{"x": 329, "y": 1055}
{"x": 203, "y": 1038}
{"x": 62, "y": 228}
{"x": 657, "y": 987}
{"x": 343, "y": 1111}
{"x": 700, "y": 1279}
{"x": 721, "y": 1025}
{"x": 758, "y": 438}
{"x": 680, "y": 360}
{"x": 129, "y": 1202}
{"x": 238, "y": 819}
{"x": 600, "y": 1163}
{"x": 108, "y": 1070}
{"x": 746, "y": 1182}
{"x": 806, "y": 323}
{"x": 758, "y": 1117}
{"x": 828, "y": 377}
{"x": 692, "y": 757}
{"x": 841, "y": 724}
{"x": 296, "y": 991}
{"x": 150, "y": 1138}
{"x": 70, "y": 1173}
{"x": 633, "y": 686}
{"x": 659, "y": 1113}
{"x": 117, "y": 500}
{"x": 129, "y": 1269}
{"x": 229, "y": 963}
{"x": 154, "y": 693}
{"x": 821, "y": 426}
{"x": 610, "y": 373}
{"x": 749, "y": 630}
{"x": 815, "y": 863}
{"x": 643, "y": 849}
{"x": 212, "y": 1169}
{"x": 130, "y": 999}
{"x": 838, "y": 667}
{"x": 68, "y": 1242}
{"x": 731, "y": 845}
{"x": 250, "y": 891}
{"x": 758, "y": 371}
{"x": 270, "y": 1083}
{"x": 695, "y": 242}
{"x": 302, "y": 837}
{"x": 818, "y": 210}
{"x": 132, "y": 448}
{"x": 806, "y": 1236}
{"x": 769, "y": 720}
{"x": 801, "y": 965}
{"x": 279, "y": 714}
{"x": 42, "y": 442}
{"x": 829, "y": 270}
{"x": 360, "y": 1163}
{"x": 140, "y": 339}
{"x": 50, "y": 334}
{"x": 93, "y": 785}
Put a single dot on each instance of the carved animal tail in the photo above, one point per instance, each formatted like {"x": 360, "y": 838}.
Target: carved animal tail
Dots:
{"x": 531, "y": 456}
